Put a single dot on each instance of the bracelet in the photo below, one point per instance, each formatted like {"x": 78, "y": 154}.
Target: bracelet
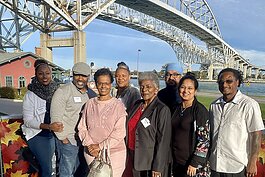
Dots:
{"x": 49, "y": 125}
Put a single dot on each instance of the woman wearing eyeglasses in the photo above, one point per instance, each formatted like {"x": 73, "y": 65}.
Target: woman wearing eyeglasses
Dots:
{"x": 190, "y": 132}
{"x": 103, "y": 122}
{"x": 148, "y": 132}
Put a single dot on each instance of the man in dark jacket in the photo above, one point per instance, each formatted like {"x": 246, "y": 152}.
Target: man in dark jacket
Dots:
{"x": 169, "y": 95}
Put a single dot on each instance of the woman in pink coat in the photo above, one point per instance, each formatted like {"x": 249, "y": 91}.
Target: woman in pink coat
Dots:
{"x": 103, "y": 122}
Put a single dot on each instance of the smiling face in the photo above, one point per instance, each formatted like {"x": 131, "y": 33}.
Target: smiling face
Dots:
{"x": 103, "y": 85}
{"x": 80, "y": 81}
{"x": 43, "y": 74}
{"x": 148, "y": 90}
{"x": 122, "y": 78}
{"x": 187, "y": 90}
{"x": 228, "y": 84}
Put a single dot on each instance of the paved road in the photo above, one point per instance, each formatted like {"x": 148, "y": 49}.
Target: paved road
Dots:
{"x": 10, "y": 107}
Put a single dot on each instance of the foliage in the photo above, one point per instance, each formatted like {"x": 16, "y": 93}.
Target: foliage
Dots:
{"x": 20, "y": 93}
{"x": 7, "y": 92}
{"x": 12, "y": 93}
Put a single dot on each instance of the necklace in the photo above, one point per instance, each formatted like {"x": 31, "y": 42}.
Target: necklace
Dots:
{"x": 182, "y": 111}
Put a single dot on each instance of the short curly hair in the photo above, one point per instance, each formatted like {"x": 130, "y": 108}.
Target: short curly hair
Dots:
{"x": 149, "y": 76}
{"x": 237, "y": 74}
{"x": 103, "y": 72}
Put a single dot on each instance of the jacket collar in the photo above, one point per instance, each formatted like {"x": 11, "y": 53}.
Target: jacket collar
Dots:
{"x": 149, "y": 109}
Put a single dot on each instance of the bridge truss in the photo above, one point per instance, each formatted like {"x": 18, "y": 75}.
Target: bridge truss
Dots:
{"x": 178, "y": 22}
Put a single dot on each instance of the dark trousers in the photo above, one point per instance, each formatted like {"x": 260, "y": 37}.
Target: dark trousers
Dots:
{"x": 131, "y": 172}
{"x": 180, "y": 170}
{"x": 218, "y": 174}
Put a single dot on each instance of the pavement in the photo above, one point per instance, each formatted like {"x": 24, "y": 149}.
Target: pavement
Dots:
{"x": 11, "y": 107}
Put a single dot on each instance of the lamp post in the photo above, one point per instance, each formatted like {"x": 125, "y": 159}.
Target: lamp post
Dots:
{"x": 137, "y": 64}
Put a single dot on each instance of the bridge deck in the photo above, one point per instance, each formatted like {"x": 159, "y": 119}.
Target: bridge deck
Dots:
{"x": 173, "y": 17}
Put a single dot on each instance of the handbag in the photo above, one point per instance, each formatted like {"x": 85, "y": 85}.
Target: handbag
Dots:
{"x": 101, "y": 165}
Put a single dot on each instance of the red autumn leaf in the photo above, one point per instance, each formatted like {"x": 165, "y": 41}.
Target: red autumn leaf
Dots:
{"x": 4, "y": 129}
{"x": 10, "y": 152}
{"x": 8, "y": 173}
{"x": 21, "y": 165}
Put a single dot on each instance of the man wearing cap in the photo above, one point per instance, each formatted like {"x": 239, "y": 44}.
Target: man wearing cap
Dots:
{"x": 169, "y": 95}
{"x": 66, "y": 106}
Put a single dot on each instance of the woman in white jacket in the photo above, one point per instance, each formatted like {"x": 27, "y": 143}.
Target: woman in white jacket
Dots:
{"x": 37, "y": 126}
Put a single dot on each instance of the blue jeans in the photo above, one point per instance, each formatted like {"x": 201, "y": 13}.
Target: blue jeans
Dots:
{"x": 68, "y": 158}
{"x": 43, "y": 149}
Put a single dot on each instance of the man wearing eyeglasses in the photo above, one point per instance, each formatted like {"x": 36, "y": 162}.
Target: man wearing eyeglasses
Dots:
{"x": 236, "y": 125}
{"x": 169, "y": 95}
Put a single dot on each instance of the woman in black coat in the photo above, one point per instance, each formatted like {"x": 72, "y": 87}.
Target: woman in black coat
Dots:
{"x": 190, "y": 132}
{"x": 148, "y": 132}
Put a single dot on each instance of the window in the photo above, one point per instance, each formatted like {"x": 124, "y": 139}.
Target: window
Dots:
{"x": 27, "y": 64}
{"x": 9, "y": 81}
{"x": 21, "y": 82}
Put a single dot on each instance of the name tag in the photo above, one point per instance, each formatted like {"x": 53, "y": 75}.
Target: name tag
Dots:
{"x": 77, "y": 99}
{"x": 145, "y": 122}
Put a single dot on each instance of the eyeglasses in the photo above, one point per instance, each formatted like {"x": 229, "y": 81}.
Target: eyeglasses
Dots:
{"x": 173, "y": 75}
{"x": 226, "y": 81}
{"x": 103, "y": 84}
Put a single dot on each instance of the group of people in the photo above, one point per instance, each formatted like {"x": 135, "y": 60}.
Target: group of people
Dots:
{"x": 149, "y": 132}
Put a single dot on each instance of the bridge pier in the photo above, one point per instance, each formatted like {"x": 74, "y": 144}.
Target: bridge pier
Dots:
{"x": 237, "y": 64}
{"x": 210, "y": 72}
{"x": 241, "y": 64}
{"x": 45, "y": 49}
{"x": 249, "y": 71}
{"x": 78, "y": 41}
{"x": 245, "y": 70}
{"x": 256, "y": 73}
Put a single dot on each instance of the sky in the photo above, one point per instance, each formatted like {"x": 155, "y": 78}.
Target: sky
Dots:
{"x": 241, "y": 22}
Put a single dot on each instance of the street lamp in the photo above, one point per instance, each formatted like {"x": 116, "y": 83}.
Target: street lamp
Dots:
{"x": 138, "y": 55}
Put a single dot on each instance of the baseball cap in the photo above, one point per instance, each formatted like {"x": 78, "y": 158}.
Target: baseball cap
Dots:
{"x": 81, "y": 68}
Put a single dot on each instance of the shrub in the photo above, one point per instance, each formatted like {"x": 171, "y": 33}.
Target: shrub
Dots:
{"x": 7, "y": 92}
{"x": 21, "y": 92}
{"x": 12, "y": 93}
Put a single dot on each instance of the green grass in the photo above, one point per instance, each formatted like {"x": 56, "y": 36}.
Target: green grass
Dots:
{"x": 206, "y": 101}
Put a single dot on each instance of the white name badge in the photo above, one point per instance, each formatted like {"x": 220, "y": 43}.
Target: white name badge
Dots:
{"x": 77, "y": 99}
{"x": 145, "y": 122}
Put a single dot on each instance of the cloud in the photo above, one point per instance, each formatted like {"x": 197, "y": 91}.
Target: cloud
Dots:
{"x": 255, "y": 57}
{"x": 127, "y": 37}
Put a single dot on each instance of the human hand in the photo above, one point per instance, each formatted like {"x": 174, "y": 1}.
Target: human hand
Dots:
{"x": 251, "y": 170}
{"x": 93, "y": 150}
{"x": 56, "y": 126}
{"x": 191, "y": 171}
{"x": 65, "y": 141}
{"x": 156, "y": 174}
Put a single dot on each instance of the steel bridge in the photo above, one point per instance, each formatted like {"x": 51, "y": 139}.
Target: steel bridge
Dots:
{"x": 181, "y": 23}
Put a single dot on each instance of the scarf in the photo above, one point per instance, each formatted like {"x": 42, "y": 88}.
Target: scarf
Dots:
{"x": 43, "y": 91}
